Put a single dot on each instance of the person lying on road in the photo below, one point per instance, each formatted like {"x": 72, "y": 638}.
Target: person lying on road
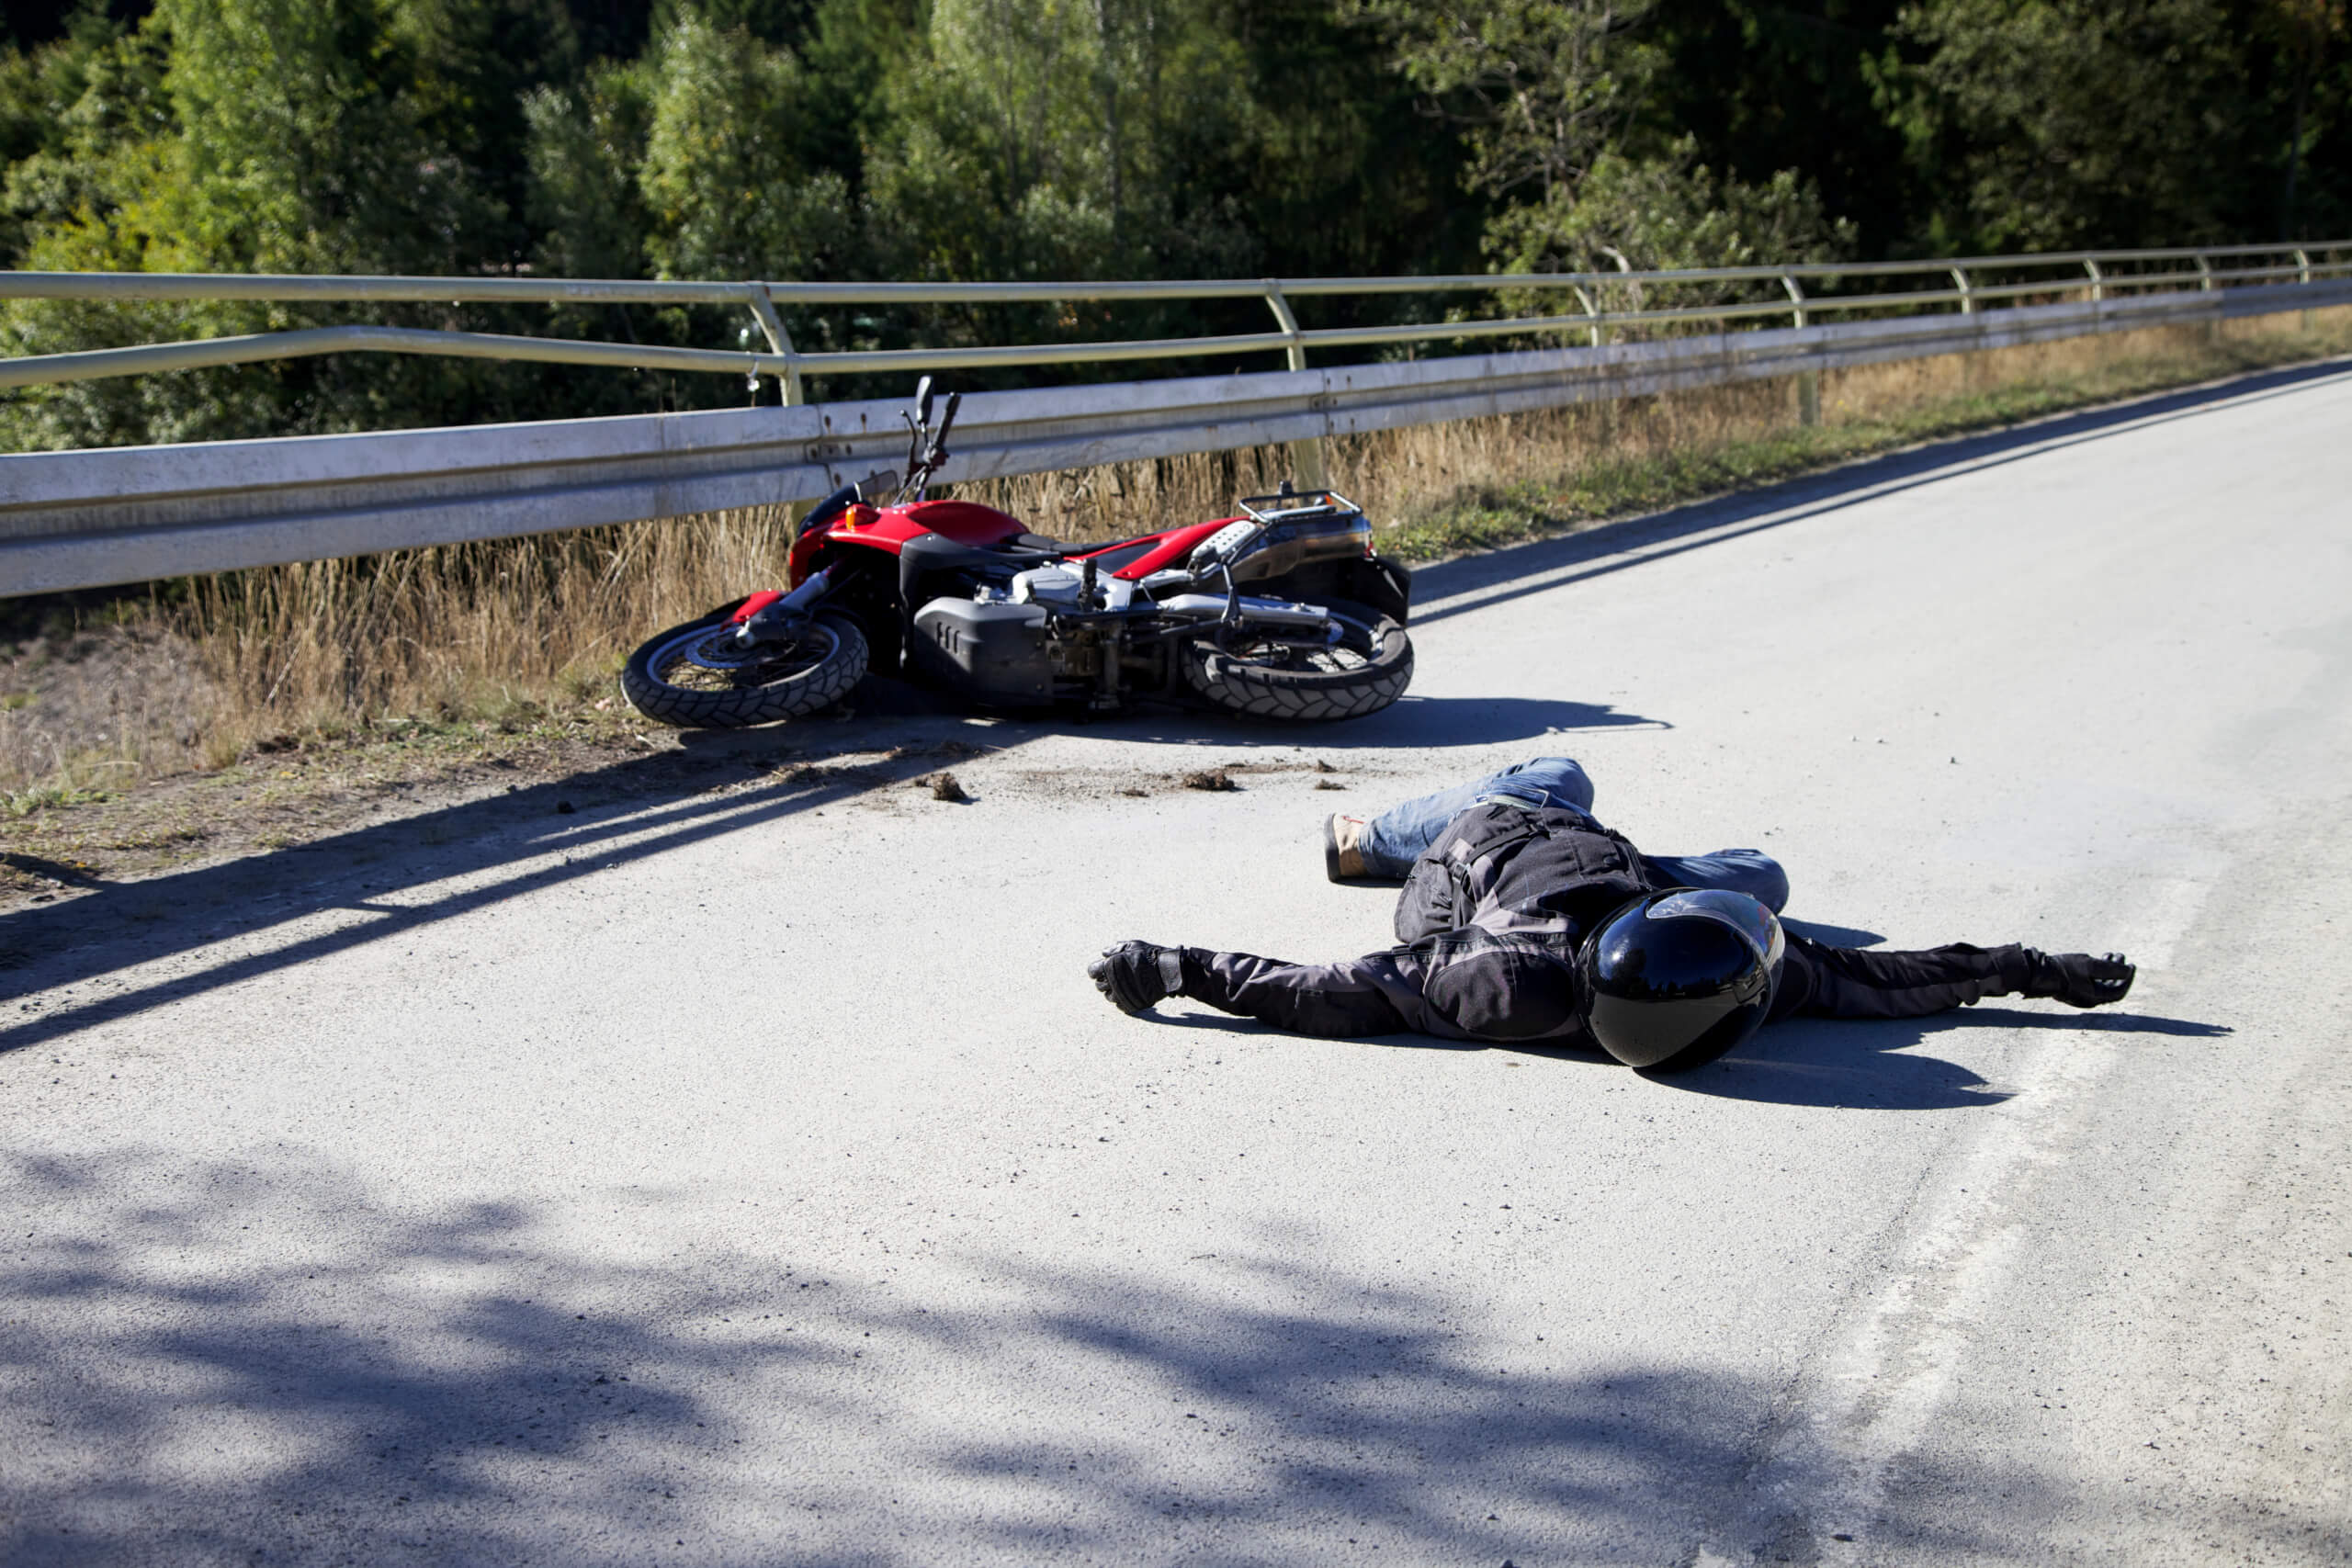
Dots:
{"x": 1525, "y": 923}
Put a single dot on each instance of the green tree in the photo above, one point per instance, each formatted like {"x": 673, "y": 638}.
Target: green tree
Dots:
{"x": 1762, "y": 85}
{"x": 1554, "y": 97}
{"x": 2089, "y": 122}
{"x": 1670, "y": 211}
{"x": 276, "y": 135}
{"x": 1540, "y": 89}
{"x": 728, "y": 184}
{"x": 1045, "y": 138}
{"x": 2306, "y": 33}
{"x": 586, "y": 145}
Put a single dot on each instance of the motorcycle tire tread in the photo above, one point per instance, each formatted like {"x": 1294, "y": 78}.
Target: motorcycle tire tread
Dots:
{"x": 811, "y": 692}
{"x": 1240, "y": 687}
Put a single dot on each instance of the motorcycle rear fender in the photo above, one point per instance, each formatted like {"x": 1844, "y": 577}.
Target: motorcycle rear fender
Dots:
{"x": 1370, "y": 580}
{"x": 1383, "y": 584}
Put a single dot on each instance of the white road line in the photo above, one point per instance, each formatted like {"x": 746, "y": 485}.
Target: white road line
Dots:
{"x": 1873, "y": 1395}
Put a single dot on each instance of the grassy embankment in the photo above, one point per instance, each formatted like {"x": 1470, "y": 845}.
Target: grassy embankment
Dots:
{"x": 452, "y": 655}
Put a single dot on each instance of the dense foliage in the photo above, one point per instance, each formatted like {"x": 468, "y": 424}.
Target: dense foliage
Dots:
{"x": 1008, "y": 139}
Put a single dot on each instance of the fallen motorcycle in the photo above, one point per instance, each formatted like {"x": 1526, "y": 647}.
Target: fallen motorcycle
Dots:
{"x": 963, "y": 597}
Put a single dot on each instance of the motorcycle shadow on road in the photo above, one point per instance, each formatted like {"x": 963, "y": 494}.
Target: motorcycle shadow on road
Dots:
{"x": 276, "y": 910}
{"x": 1412, "y": 722}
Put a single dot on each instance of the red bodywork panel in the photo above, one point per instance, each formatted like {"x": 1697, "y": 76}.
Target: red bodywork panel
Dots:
{"x": 969, "y": 523}
{"x": 753, "y": 605}
{"x": 1173, "y": 546}
{"x": 966, "y": 522}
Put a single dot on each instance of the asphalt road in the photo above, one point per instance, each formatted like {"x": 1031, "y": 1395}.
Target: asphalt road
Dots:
{"x": 746, "y": 1173}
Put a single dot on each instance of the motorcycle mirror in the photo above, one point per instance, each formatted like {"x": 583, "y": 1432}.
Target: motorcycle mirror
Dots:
{"x": 955, "y": 401}
{"x": 922, "y": 403}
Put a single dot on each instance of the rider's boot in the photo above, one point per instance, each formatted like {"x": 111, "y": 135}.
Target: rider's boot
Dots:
{"x": 1343, "y": 848}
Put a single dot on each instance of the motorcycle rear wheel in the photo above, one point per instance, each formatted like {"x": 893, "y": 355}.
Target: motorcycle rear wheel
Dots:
{"x": 1364, "y": 671}
{"x": 693, "y": 677}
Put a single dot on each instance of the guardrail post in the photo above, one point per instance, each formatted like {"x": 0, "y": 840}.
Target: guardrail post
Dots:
{"x": 1789, "y": 282}
{"x": 1967, "y": 290}
{"x": 1306, "y": 455}
{"x": 2098, "y": 279}
{"x": 2205, "y": 284}
{"x": 1808, "y": 381}
{"x": 1591, "y": 310}
{"x": 763, "y": 309}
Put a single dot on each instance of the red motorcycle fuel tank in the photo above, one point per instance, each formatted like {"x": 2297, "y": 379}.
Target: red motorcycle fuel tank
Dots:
{"x": 889, "y": 528}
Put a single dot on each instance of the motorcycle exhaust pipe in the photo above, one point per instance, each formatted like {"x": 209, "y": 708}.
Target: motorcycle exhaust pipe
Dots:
{"x": 1260, "y": 612}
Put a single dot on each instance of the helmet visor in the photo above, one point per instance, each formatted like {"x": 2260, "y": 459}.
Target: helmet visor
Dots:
{"x": 1755, "y": 924}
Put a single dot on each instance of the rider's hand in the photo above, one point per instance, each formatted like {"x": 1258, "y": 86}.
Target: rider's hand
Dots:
{"x": 1136, "y": 974}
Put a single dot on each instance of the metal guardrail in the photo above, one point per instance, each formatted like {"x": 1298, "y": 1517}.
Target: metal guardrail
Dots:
{"x": 2090, "y": 271}
{"x": 90, "y": 518}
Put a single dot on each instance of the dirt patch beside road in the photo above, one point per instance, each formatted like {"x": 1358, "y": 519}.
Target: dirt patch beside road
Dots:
{"x": 306, "y": 791}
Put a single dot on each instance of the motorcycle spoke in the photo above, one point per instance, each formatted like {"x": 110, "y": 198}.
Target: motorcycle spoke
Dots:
{"x": 1335, "y": 659}
{"x": 709, "y": 663}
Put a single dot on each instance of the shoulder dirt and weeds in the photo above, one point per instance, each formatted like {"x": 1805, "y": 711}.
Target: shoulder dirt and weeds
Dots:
{"x": 287, "y": 790}
{"x": 187, "y": 722}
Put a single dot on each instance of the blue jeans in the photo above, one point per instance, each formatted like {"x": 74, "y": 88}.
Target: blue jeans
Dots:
{"x": 1396, "y": 837}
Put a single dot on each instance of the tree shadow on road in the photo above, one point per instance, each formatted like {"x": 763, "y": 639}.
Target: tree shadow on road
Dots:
{"x": 211, "y": 1364}
{"x": 388, "y": 878}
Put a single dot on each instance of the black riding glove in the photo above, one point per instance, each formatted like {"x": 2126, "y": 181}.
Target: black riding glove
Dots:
{"x": 1134, "y": 975}
{"x": 2078, "y": 979}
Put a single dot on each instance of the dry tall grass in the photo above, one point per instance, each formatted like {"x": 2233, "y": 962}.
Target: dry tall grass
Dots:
{"x": 503, "y": 632}
{"x": 509, "y": 632}
{"x": 1399, "y": 475}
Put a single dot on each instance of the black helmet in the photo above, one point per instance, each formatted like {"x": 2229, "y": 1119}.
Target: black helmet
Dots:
{"x": 1686, "y": 972}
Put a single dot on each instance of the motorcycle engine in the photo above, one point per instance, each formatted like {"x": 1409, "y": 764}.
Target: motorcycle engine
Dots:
{"x": 1062, "y": 586}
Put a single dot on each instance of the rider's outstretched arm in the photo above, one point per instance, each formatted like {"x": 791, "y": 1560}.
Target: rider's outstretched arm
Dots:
{"x": 1336, "y": 1001}
{"x": 1821, "y": 981}
{"x": 1331, "y": 999}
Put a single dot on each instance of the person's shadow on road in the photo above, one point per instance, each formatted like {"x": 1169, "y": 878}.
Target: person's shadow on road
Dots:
{"x": 1842, "y": 1064}
{"x": 1869, "y": 1066}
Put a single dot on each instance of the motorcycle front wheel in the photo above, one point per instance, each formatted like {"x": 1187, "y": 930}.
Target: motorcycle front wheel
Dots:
{"x": 693, "y": 676}
{"x": 1362, "y": 669}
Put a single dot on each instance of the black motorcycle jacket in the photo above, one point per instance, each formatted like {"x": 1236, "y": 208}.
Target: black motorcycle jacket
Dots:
{"x": 1488, "y": 928}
